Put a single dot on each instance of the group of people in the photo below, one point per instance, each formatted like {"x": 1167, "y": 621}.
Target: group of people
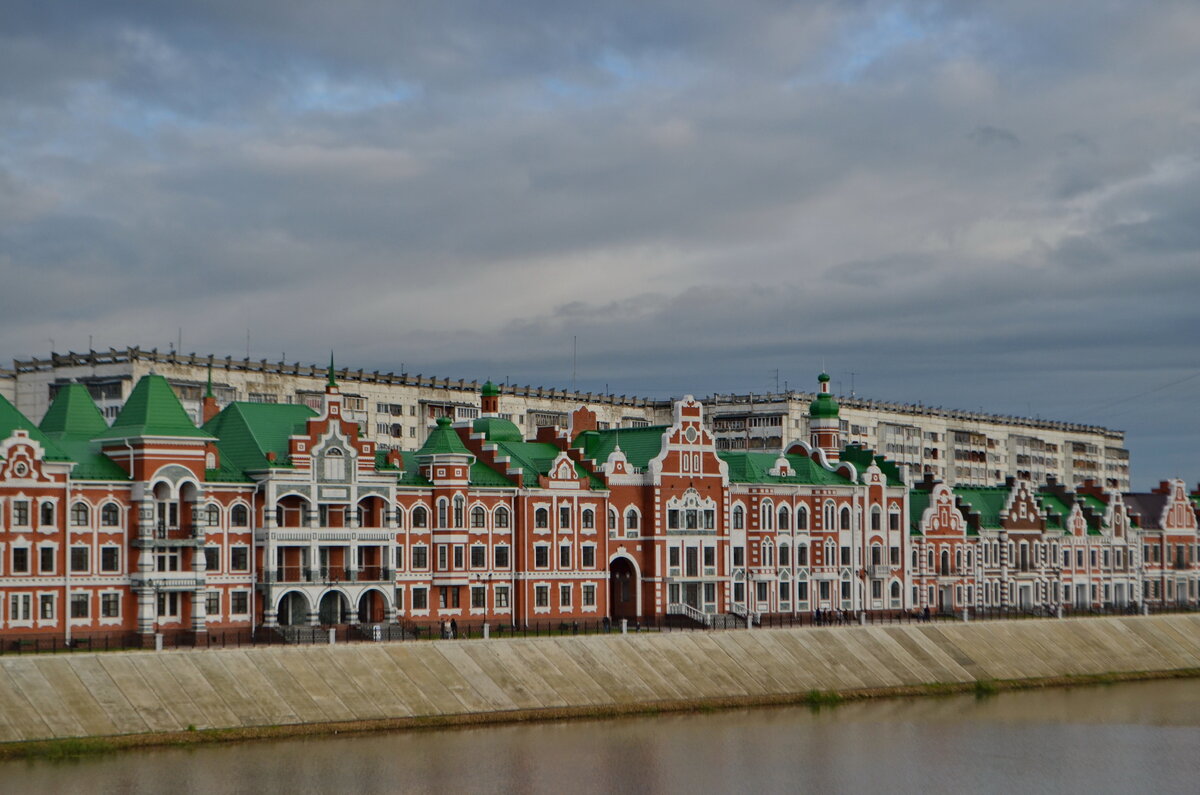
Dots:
{"x": 829, "y": 617}
{"x": 449, "y": 629}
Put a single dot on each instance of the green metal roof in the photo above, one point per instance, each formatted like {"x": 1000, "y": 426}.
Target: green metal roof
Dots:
{"x": 823, "y": 406}
{"x": 918, "y": 503}
{"x": 246, "y": 432}
{"x": 862, "y": 458}
{"x": 754, "y": 467}
{"x": 640, "y": 445}
{"x": 496, "y": 429}
{"x": 490, "y": 390}
{"x": 11, "y": 420}
{"x": 73, "y": 413}
{"x": 1057, "y": 511}
{"x": 152, "y": 410}
{"x": 443, "y": 440}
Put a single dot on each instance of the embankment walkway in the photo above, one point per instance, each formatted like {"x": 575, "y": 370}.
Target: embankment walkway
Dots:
{"x": 256, "y": 691}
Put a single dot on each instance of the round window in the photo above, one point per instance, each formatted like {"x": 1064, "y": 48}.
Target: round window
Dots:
{"x": 691, "y": 435}
{"x": 21, "y": 469}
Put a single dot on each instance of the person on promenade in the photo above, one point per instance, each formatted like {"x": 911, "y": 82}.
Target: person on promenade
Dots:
{"x": 453, "y": 628}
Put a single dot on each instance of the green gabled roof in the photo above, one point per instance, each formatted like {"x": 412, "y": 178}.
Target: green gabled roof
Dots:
{"x": 986, "y": 502}
{"x": 862, "y": 458}
{"x": 1057, "y": 511}
{"x": 72, "y": 421}
{"x": 536, "y": 458}
{"x": 152, "y": 410}
{"x": 443, "y": 440}
{"x": 1099, "y": 510}
{"x": 496, "y": 429}
{"x": 481, "y": 474}
{"x": 11, "y": 420}
{"x": 73, "y": 413}
{"x": 754, "y": 467}
{"x": 640, "y": 445}
{"x": 918, "y": 503}
{"x": 246, "y": 432}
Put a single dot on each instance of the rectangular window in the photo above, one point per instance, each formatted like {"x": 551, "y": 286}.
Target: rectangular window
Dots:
{"x": 845, "y": 556}
{"x": 502, "y": 596}
{"x": 564, "y": 596}
{"x": 541, "y": 557}
{"x": 212, "y": 604}
{"x": 541, "y": 596}
{"x": 399, "y": 557}
{"x": 589, "y": 557}
{"x": 46, "y": 560}
{"x": 589, "y": 596}
{"x": 80, "y": 605}
{"x": 785, "y": 591}
{"x": 443, "y": 553}
{"x": 893, "y": 521}
{"x": 564, "y": 516}
{"x": 79, "y": 559}
{"x": 478, "y": 555}
{"x": 420, "y": 557}
{"x": 895, "y": 556}
{"x": 478, "y": 597}
{"x": 458, "y": 556}
{"x": 20, "y": 513}
{"x": 672, "y": 519}
{"x": 110, "y": 558}
{"x": 801, "y": 556}
{"x": 110, "y": 605}
{"x": 739, "y": 556}
{"x": 785, "y": 555}
{"x": 239, "y": 603}
{"x": 673, "y": 557}
{"x": 876, "y": 589}
{"x": 46, "y": 603}
{"x": 239, "y": 559}
{"x": 564, "y": 557}
{"x": 500, "y": 555}
{"x": 802, "y": 591}
{"x": 20, "y": 560}
{"x": 420, "y": 599}
{"x": 212, "y": 558}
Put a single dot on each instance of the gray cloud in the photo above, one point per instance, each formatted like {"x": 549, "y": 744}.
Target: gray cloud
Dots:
{"x": 979, "y": 207}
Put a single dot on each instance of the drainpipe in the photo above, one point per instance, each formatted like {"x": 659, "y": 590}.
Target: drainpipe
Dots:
{"x": 65, "y": 515}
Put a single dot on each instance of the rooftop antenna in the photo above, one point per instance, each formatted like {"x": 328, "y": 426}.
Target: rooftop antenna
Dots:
{"x": 852, "y": 374}
{"x": 247, "y": 343}
{"x": 574, "y": 359}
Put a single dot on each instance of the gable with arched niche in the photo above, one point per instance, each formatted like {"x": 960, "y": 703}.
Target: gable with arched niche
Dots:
{"x": 334, "y": 458}
{"x": 942, "y": 517}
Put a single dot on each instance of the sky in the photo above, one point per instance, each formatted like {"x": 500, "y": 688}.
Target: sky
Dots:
{"x": 988, "y": 206}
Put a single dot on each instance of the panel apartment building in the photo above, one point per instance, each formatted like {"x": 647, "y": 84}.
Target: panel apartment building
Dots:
{"x": 398, "y": 411}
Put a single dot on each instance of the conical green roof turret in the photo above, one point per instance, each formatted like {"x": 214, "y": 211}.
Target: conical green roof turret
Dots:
{"x": 73, "y": 413}
{"x": 443, "y": 441}
{"x": 152, "y": 410}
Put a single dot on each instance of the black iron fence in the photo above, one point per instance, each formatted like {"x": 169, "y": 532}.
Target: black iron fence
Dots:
{"x": 409, "y": 631}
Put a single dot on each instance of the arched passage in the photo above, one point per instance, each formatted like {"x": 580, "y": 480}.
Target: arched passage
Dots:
{"x": 293, "y": 609}
{"x": 623, "y": 586}
{"x": 334, "y": 609}
{"x": 371, "y": 607}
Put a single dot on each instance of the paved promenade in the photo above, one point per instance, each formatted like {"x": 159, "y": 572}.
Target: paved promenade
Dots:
{"x": 139, "y": 692}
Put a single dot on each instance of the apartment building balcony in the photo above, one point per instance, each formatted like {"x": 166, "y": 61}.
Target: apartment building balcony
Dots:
{"x": 879, "y": 571}
{"x": 165, "y": 581}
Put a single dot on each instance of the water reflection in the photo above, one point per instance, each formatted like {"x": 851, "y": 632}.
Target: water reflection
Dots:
{"x": 1131, "y": 737}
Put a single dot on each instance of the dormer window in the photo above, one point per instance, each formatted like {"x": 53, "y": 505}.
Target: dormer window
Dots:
{"x": 335, "y": 464}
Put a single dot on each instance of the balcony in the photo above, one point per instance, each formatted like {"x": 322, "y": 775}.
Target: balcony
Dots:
{"x": 879, "y": 571}
{"x": 326, "y": 574}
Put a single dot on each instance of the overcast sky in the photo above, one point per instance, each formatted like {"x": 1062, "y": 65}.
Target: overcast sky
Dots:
{"x": 977, "y": 205}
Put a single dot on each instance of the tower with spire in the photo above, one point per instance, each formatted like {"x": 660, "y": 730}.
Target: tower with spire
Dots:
{"x": 824, "y": 424}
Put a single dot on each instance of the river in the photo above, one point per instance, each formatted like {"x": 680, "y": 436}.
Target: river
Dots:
{"x": 1134, "y": 737}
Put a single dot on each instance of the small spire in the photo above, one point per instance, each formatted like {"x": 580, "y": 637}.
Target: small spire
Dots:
{"x": 331, "y": 381}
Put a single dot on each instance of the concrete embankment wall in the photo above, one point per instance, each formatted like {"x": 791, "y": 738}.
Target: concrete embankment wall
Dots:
{"x": 122, "y": 693}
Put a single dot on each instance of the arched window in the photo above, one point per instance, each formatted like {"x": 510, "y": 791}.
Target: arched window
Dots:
{"x": 802, "y": 554}
{"x": 47, "y": 516}
{"x": 239, "y": 516}
{"x": 460, "y": 505}
{"x": 631, "y": 519}
{"x": 399, "y": 514}
{"x": 587, "y": 519}
{"x": 739, "y": 517}
{"x": 612, "y": 518}
{"x": 110, "y": 515}
{"x": 443, "y": 513}
{"x": 895, "y": 590}
{"x": 830, "y": 515}
{"x": 767, "y": 515}
{"x": 876, "y": 518}
{"x": 845, "y": 518}
{"x": 335, "y": 464}
{"x": 420, "y": 516}
{"x": 478, "y": 517}
{"x": 768, "y": 554}
{"x": 785, "y": 518}
{"x": 802, "y": 518}
{"x": 212, "y": 516}
{"x": 541, "y": 517}
{"x": 79, "y": 514}
{"x": 501, "y": 517}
